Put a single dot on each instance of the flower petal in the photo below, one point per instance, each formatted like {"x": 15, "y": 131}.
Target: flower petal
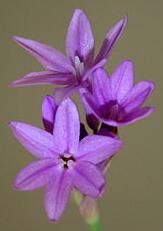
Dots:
{"x": 37, "y": 141}
{"x": 80, "y": 41}
{"x": 57, "y": 194}
{"x": 50, "y": 58}
{"x": 92, "y": 104}
{"x": 35, "y": 175}
{"x": 96, "y": 148}
{"x": 64, "y": 92}
{"x": 111, "y": 38}
{"x": 122, "y": 80}
{"x": 87, "y": 179}
{"x": 91, "y": 119}
{"x": 49, "y": 108}
{"x": 138, "y": 95}
{"x": 140, "y": 113}
{"x": 44, "y": 78}
{"x": 66, "y": 128}
{"x": 101, "y": 87}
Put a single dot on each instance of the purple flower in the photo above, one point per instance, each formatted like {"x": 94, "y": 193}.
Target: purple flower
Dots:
{"x": 115, "y": 101}
{"x": 73, "y": 70}
{"x": 65, "y": 163}
{"x": 49, "y": 108}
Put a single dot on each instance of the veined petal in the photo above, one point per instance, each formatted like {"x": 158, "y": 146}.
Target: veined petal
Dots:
{"x": 88, "y": 74}
{"x": 140, "y": 113}
{"x": 35, "y": 175}
{"x": 138, "y": 95}
{"x": 92, "y": 104}
{"x": 64, "y": 92}
{"x": 57, "y": 194}
{"x": 66, "y": 128}
{"x": 44, "y": 78}
{"x": 50, "y": 58}
{"x": 92, "y": 120}
{"x": 80, "y": 41}
{"x": 111, "y": 38}
{"x": 49, "y": 108}
{"x": 87, "y": 179}
{"x": 37, "y": 141}
{"x": 122, "y": 80}
{"x": 101, "y": 87}
{"x": 96, "y": 148}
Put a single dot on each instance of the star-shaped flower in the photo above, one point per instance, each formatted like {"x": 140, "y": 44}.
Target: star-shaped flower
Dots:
{"x": 65, "y": 163}
{"x": 73, "y": 70}
{"x": 114, "y": 100}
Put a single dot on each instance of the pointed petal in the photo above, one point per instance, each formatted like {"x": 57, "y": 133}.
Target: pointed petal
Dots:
{"x": 92, "y": 121}
{"x": 35, "y": 175}
{"x": 49, "y": 108}
{"x": 111, "y": 38}
{"x": 87, "y": 179}
{"x": 80, "y": 41}
{"x": 92, "y": 104}
{"x": 57, "y": 194}
{"x": 138, "y": 95}
{"x": 50, "y": 58}
{"x": 101, "y": 87}
{"x": 44, "y": 78}
{"x": 122, "y": 80}
{"x": 96, "y": 148}
{"x": 140, "y": 113}
{"x": 88, "y": 74}
{"x": 37, "y": 141}
{"x": 64, "y": 92}
{"x": 66, "y": 128}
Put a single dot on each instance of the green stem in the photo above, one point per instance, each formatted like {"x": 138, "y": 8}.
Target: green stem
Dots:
{"x": 96, "y": 226}
{"x": 89, "y": 210}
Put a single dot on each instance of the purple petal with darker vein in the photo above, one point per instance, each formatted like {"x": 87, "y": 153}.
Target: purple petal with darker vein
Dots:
{"x": 101, "y": 87}
{"x": 96, "y": 148}
{"x": 92, "y": 121}
{"x": 92, "y": 104}
{"x": 122, "y": 80}
{"x": 66, "y": 128}
{"x": 44, "y": 78}
{"x": 138, "y": 95}
{"x": 111, "y": 38}
{"x": 50, "y": 58}
{"x": 80, "y": 41}
{"x": 140, "y": 113}
{"x": 57, "y": 194}
{"x": 49, "y": 108}
{"x": 87, "y": 179}
{"x": 35, "y": 175}
{"x": 37, "y": 141}
{"x": 64, "y": 92}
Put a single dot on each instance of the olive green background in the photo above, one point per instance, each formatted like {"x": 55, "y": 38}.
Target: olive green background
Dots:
{"x": 134, "y": 195}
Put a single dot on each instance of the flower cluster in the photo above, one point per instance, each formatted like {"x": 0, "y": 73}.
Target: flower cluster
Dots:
{"x": 70, "y": 158}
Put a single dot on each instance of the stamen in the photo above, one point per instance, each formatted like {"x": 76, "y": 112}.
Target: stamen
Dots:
{"x": 79, "y": 66}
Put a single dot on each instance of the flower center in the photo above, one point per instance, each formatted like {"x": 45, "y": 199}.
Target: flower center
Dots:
{"x": 111, "y": 110}
{"x": 79, "y": 67}
{"x": 67, "y": 160}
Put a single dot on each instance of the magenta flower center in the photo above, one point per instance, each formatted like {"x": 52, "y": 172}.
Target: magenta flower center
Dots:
{"x": 112, "y": 110}
{"x": 67, "y": 160}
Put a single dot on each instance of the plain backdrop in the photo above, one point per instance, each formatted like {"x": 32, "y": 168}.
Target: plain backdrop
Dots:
{"x": 133, "y": 196}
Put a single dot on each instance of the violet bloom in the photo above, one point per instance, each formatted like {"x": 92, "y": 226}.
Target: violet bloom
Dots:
{"x": 115, "y": 101}
{"x": 49, "y": 108}
{"x": 73, "y": 70}
{"x": 65, "y": 163}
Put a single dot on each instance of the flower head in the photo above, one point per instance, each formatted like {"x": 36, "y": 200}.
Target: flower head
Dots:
{"x": 115, "y": 101}
{"x": 65, "y": 163}
{"x": 73, "y": 70}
